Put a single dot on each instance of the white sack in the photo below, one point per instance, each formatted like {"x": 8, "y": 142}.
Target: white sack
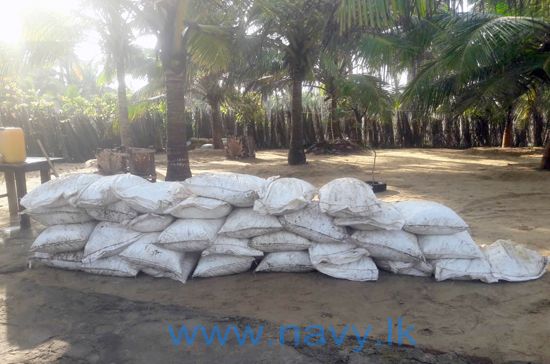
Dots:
{"x": 188, "y": 264}
{"x": 456, "y": 246}
{"x": 289, "y": 262}
{"x": 514, "y": 262}
{"x": 108, "y": 239}
{"x": 61, "y": 215}
{"x": 430, "y": 218}
{"x": 237, "y": 189}
{"x": 58, "y": 192}
{"x": 348, "y": 197}
{"x": 190, "y": 235}
{"x": 397, "y": 246}
{"x": 463, "y": 269}
{"x": 232, "y": 246}
{"x": 68, "y": 261}
{"x": 63, "y": 238}
{"x": 339, "y": 253}
{"x": 117, "y": 212}
{"x": 281, "y": 241}
{"x": 155, "y": 198}
{"x": 150, "y": 223}
{"x": 361, "y": 270}
{"x": 417, "y": 269}
{"x": 246, "y": 223}
{"x": 222, "y": 265}
{"x": 314, "y": 225}
{"x": 196, "y": 207}
{"x": 284, "y": 195}
{"x": 102, "y": 192}
{"x": 147, "y": 256}
{"x": 387, "y": 218}
{"x": 111, "y": 266}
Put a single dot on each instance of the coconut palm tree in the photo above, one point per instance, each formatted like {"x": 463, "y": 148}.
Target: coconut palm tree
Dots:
{"x": 182, "y": 37}
{"x": 112, "y": 21}
{"x": 482, "y": 59}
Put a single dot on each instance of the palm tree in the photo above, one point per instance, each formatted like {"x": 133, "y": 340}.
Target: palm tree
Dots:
{"x": 296, "y": 29}
{"x": 482, "y": 59}
{"x": 182, "y": 38}
{"x": 113, "y": 23}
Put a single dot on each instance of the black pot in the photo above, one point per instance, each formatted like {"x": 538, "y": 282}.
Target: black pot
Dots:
{"x": 378, "y": 187}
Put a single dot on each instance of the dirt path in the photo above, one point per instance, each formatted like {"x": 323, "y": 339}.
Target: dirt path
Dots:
{"x": 77, "y": 316}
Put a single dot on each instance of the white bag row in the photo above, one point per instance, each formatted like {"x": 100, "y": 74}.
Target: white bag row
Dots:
{"x": 227, "y": 216}
{"x": 343, "y": 202}
{"x": 446, "y": 256}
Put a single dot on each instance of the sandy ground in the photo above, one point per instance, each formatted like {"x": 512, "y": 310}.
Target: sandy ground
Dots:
{"x": 48, "y": 315}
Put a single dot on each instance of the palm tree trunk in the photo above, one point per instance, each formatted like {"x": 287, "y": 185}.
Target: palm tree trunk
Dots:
{"x": 296, "y": 154}
{"x": 507, "y": 136}
{"x": 334, "y": 128}
{"x": 216, "y": 124}
{"x": 545, "y": 163}
{"x": 126, "y": 138}
{"x": 538, "y": 127}
{"x": 176, "y": 138}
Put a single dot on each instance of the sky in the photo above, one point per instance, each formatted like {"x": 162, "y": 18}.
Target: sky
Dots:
{"x": 89, "y": 50}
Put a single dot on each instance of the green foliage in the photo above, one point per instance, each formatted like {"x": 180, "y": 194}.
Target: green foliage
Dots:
{"x": 480, "y": 59}
{"x": 247, "y": 108}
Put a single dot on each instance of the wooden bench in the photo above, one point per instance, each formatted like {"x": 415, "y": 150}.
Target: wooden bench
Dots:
{"x": 16, "y": 183}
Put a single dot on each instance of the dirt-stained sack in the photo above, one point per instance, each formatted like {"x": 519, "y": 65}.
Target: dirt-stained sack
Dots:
{"x": 463, "y": 270}
{"x": 192, "y": 235}
{"x": 398, "y": 246}
{"x": 63, "y": 238}
{"x": 188, "y": 264}
{"x": 58, "y": 192}
{"x": 108, "y": 239}
{"x": 61, "y": 215}
{"x": 314, "y": 225}
{"x": 195, "y": 207}
{"x": 289, "y": 262}
{"x": 102, "y": 192}
{"x": 339, "y": 253}
{"x": 387, "y": 218}
{"x": 430, "y": 218}
{"x": 222, "y": 265}
{"x": 117, "y": 212}
{"x": 281, "y": 241}
{"x": 239, "y": 190}
{"x": 112, "y": 266}
{"x": 149, "y": 223}
{"x": 284, "y": 195}
{"x": 417, "y": 269}
{"x": 348, "y": 197}
{"x": 153, "y": 198}
{"x": 361, "y": 270}
{"x": 456, "y": 246}
{"x": 147, "y": 256}
{"x": 232, "y": 246}
{"x": 514, "y": 262}
{"x": 67, "y": 261}
{"x": 247, "y": 223}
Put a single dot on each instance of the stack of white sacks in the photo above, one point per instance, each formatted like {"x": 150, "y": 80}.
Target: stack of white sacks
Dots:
{"x": 220, "y": 224}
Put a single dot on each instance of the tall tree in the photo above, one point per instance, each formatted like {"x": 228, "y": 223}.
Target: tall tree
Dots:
{"x": 113, "y": 23}
{"x": 182, "y": 37}
{"x": 296, "y": 28}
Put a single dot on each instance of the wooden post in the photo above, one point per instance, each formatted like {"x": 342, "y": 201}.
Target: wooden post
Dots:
{"x": 45, "y": 174}
{"x": 21, "y": 183}
{"x": 11, "y": 192}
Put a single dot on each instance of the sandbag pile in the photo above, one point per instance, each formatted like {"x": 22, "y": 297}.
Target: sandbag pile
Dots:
{"x": 227, "y": 223}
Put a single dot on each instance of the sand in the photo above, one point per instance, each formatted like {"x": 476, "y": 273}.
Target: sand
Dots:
{"x": 498, "y": 192}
